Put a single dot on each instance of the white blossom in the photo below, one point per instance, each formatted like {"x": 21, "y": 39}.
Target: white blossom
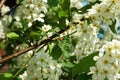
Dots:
{"x": 108, "y": 64}
{"x": 46, "y": 27}
{"x": 4, "y": 9}
{"x": 75, "y": 3}
{"x": 42, "y": 66}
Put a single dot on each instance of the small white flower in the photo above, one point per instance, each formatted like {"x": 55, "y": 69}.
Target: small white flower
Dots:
{"x": 4, "y": 9}
{"x": 29, "y": 24}
{"x": 23, "y": 76}
{"x": 39, "y": 17}
{"x": 17, "y": 18}
{"x": 46, "y": 27}
{"x": 75, "y": 3}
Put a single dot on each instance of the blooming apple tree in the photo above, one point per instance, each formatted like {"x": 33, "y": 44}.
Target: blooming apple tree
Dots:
{"x": 60, "y": 40}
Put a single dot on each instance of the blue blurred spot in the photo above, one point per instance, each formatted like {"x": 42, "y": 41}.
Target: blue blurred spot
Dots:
{"x": 84, "y": 3}
{"x": 100, "y": 35}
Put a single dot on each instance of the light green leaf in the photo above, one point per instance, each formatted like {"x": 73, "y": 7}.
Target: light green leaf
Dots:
{"x": 12, "y": 35}
{"x": 7, "y": 75}
{"x": 35, "y": 35}
{"x": 63, "y": 14}
{"x": 67, "y": 64}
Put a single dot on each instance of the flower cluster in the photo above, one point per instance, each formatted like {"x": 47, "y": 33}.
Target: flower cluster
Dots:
{"x": 2, "y": 34}
{"x": 4, "y": 21}
{"x": 105, "y": 12}
{"x": 83, "y": 47}
{"x": 32, "y": 10}
{"x": 75, "y": 3}
{"x": 101, "y": 15}
{"x": 4, "y": 10}
{"x": 42, "y": 66}
{"x": 108, "y": 62}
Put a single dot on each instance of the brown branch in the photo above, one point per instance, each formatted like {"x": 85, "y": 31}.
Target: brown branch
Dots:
{"x": 2, "y": 2}
{"x": 32, "y": 47}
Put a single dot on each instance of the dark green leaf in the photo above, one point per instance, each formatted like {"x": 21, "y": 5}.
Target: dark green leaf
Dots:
{"x": 25, "y": 24}
{"x": 56, "y": 52}
{"x": 53, "y": 3}
{"x": 66, "y": 5}
{"x": 83, "y": 76}
{"x": 62, "y": 23}
{"x": 85, "y": 8}
{"x": 84, "y": 64}
{"x": 112, "y": 27}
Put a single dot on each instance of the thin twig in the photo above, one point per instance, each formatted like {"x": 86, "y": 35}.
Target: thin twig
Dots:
{"x": 32, "y": 47}
{"x": 2, "y": 2}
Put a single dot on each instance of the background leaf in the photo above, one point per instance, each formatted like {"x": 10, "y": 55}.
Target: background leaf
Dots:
{"x": 83, "y": 76}
{"x": 53, "y": 3}
{"x": 66, "y": 5}
{"x": 62, "y": 14}
{"x": 35, "y": 35}
{"x": 112, "y": 27}
{"x": 12, "y": 35}
{"x": 56, "y": 52}
{"x": 5, "y": 76}
{"x": 88, "y": 6}
{"x": 67, "y": 64}
{"x": 84, "y": 64}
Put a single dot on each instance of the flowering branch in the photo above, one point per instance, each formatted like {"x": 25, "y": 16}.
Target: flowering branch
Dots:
{"x": 2, "y": 2}
{"x": 32, "y": 47}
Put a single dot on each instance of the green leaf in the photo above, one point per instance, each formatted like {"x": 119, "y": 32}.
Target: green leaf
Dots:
{"x": 84, "y": 64}
{"x": 62, "y": 23}
{"x": 67, "y": 64}
{"x": 53, "y": 3}
{"x": 25, "y": 24}
{"x": 112, "y": 27}
{"x": 35, "y": 35}
{"x": 85, "y": 8}
{"x": 66, "y": 46}
{"x": 2, "y": 45}
{"x": 5, "y": 76}
{"x": 56, "y": 52}
{"x": 66, "y": 5}
{"x": 83, "y": 76}
{"x": 13, "y": 35}
{"x": 62, "y": 14}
